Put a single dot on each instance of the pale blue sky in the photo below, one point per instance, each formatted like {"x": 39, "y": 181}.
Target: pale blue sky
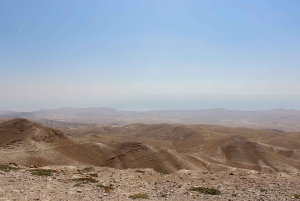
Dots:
{"x": 133, "y": 54}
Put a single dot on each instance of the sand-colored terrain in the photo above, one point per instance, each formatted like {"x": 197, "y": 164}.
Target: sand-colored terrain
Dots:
{"x": 96, "y": 183}
{"x": 162, "y": 147}
{"x": 162, "y": 161}
{"x": 204, "y": 147}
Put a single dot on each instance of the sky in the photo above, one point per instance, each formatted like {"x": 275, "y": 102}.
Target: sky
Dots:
{"x": 150, "y": 54}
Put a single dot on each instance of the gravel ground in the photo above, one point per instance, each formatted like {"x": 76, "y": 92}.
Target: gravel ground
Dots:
{"x": 71, "y": 183}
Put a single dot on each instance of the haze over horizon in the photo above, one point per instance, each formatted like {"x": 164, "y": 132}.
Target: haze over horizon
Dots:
{"x": 144, "y": 55}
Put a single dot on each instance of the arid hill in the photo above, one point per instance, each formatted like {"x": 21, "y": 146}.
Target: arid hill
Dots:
{"x": 3, "y": 119}
{"x": 162, "y": 147}
{"x": 28, "y": 143}
{"x": 206, "y": 147}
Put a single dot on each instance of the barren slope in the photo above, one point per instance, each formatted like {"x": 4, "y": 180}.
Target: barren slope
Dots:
{"x": 162, "y": 147}
{"x": 28, "y": 143}
{"x": 67, "y": 183}
{"x": 212, "y": 148}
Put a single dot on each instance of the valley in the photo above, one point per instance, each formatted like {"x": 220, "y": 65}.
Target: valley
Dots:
{"x": 159, "y": 161}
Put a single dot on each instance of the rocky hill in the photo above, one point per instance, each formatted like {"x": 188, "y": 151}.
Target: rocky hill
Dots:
{"x": 162, "y": 147}
{"x": 98, "y": 183}
{"x": 155, "y": 162}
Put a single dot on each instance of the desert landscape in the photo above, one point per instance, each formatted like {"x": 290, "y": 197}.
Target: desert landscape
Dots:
{"x": 163, "y": 100}
{"x": 157, "y": 161}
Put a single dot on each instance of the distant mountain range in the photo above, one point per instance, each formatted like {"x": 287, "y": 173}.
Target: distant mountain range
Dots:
{"x": 280, "y": 119}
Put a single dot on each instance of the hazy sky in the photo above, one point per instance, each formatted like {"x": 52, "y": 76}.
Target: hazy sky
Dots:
{"x": 133, "y": 54}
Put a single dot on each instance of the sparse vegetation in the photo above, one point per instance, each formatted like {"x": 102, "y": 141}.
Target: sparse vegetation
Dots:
{"x": 139, "y": 196}
{"x": 7, "y": 168}
{"x": 85, "y": 180}
{"x": 94, "y": 175}
{"x": 210, "y": 191}
{"x": 78, "y": 185}
{"x": 164, "y": 172}
{"x": 263, "y": 190}
{"x": 140, "y": 171}
{"x": 43, "y": 172}
{"x": 297, "y": 196}
{"x": 234, "y": 194}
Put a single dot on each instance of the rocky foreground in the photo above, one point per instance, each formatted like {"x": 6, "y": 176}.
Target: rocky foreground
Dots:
{"x": 98, "y": 183}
